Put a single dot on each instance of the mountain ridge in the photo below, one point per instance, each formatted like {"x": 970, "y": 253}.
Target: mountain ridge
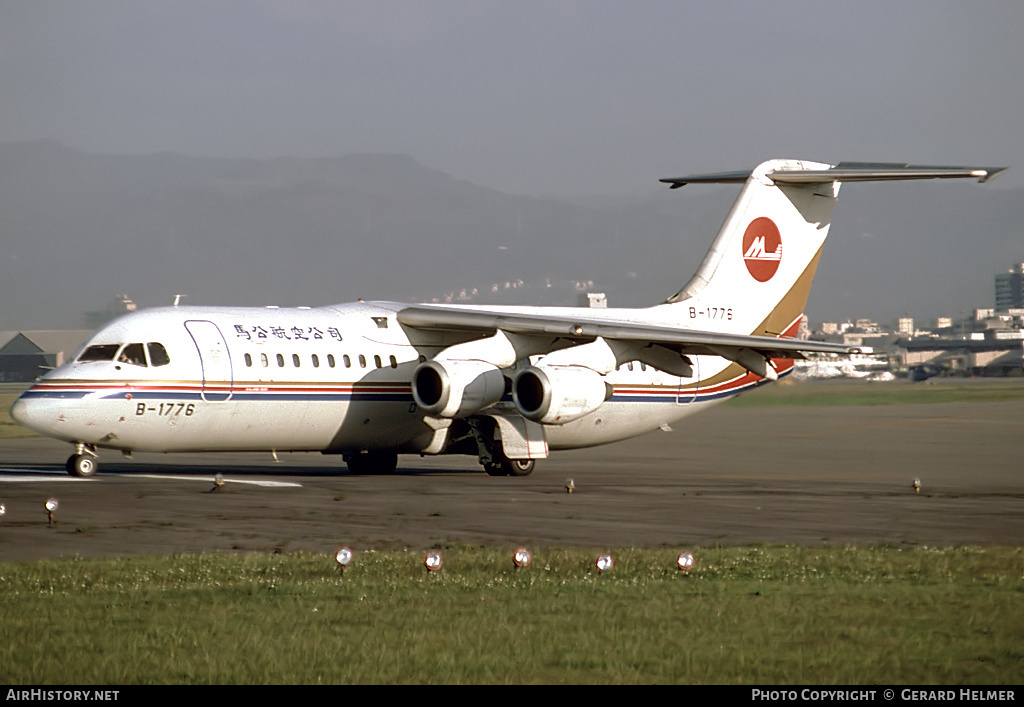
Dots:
{"x": 79, "y": 228}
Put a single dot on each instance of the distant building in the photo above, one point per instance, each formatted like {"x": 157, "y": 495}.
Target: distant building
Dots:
{"x": 905, "y": 326}
{"x": 1010, "y": 288}
{"x": 865, "y": 326}
{"x": 976, "y": 355}
{"x": 26, "y": 355}
{"x": 597, "y": 300}
{"x": 1015, "y": 316}
{"x": 120, "y": 305}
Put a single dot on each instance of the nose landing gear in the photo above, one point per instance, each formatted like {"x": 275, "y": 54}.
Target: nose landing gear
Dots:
{"x": 83, "y": 462}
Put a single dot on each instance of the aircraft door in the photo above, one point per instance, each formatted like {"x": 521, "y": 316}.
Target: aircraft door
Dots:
{"x": 218, "y": 377}
{"x": 687, "y": 391}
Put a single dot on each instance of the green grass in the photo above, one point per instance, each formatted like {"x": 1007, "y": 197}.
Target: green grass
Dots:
{"x": 898, "y": 392}
{"x": 9, "y": 392}
{"x": 768, "y": 615}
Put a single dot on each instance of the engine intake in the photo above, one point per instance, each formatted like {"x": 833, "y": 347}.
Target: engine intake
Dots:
{"x": 555, "y": 395}
{"x": 456, "y": 388}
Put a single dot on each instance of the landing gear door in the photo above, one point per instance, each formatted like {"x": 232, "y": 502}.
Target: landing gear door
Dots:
{"x": 521, "y": 438}
{"x": 218, "y": 378}
{"x": 688, "y": 387}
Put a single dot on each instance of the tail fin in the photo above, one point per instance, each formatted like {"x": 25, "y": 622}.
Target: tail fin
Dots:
{"x": 756, "y": 277}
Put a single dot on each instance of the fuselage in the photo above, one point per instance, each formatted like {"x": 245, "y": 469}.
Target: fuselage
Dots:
{"x": 372, "y": 380}
{"x": 330, "y": 379}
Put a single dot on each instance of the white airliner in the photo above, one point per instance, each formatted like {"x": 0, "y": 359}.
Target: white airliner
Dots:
{"x": 372, "y": 380}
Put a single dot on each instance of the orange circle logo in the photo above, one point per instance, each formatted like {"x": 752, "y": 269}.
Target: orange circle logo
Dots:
{"x": 762, "y": 249}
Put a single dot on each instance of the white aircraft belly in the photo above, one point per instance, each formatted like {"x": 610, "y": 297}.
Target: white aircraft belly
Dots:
{"x": 639, "y": 407}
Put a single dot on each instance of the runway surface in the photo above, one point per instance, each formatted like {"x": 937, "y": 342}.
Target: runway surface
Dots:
{"x": 803, "y": 475}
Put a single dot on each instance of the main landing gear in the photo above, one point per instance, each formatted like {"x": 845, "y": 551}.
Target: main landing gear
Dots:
{"x": 371, "y": 463}
{"x": 491, "y": 454}
{"x": 509, "y": 467}
{"x": 83, "y": 462}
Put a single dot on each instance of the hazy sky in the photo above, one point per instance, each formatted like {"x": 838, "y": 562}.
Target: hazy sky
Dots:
{"x": 541, "y": 98}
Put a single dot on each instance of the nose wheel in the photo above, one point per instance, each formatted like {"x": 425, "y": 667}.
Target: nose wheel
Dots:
{"x": 81, "y": 465}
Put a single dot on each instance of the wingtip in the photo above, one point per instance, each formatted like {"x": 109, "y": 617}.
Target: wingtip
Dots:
{"x": 987, "y": 174}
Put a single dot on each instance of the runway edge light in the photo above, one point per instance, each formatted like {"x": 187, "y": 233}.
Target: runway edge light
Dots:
{"x": 685, "y": 561}
{"x": 343, "y": 556}
{"x": 604, "y": 563}
{"x": 521, "y": 558}
{"x": 51, "y": 506}
{"x": 433, "y": 561}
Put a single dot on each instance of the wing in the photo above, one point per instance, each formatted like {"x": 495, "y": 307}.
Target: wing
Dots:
{"x": 749, "y": 351}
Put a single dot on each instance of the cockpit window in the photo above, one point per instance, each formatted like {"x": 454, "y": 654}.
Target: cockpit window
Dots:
{"x": 100, "y": 352}
{"x": 158, "y": 354}
{"x": 133, "y": 354}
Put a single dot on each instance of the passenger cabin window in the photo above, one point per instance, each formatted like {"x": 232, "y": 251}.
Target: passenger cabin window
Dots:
{"x": 264, "y": 361}
{"x": 295, "y": 360}
{"x": 280, "y": 360}
{"x": 394, "y": 361}
{"x": 248, "y": 361}
{"x": 316, "y": 361}
{"x": 330, "y": 360}
{"x": 376, "y": 360}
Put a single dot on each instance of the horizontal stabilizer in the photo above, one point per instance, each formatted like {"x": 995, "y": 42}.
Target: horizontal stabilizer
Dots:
{"x": 717, "y": 178}
{"x": 847, "y": 172}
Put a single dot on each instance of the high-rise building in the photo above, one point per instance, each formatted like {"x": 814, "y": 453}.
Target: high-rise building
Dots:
{"x": 1010, "y": 288}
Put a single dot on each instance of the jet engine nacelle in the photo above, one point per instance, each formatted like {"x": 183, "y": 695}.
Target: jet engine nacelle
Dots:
{"x": 456, "y": 388}
{"x": 555, "y": 395}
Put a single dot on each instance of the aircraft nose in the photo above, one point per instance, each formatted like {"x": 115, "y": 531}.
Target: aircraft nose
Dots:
{"x": 49, "y": 415}
{"x": 25, "y": 411}
{"x": 20, "y": 412}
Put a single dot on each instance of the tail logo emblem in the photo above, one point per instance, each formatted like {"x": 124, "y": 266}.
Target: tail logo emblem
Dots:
{"x": 762, "y": 249}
